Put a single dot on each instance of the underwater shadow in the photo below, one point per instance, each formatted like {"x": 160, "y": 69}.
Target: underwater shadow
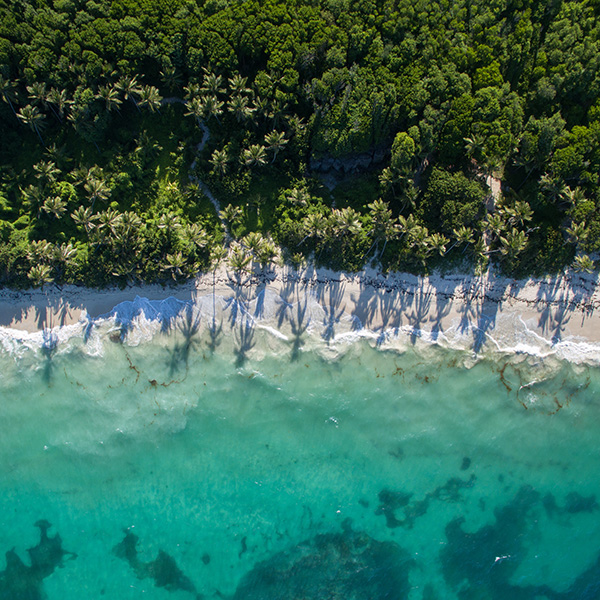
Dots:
{"x": 331, "y": 565}
{"x": 20, "y": 582}
{"x": 163, "y": 570}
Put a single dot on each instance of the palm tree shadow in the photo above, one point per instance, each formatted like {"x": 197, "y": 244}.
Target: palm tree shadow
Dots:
{"x": 333, "y": 308}
{"x": 554, "y": 318}
{"x": 244, "y": 337}
{"x": 299, "y": 321}
{"x": 299, "y": 325}
{"x": 486, "y": 317}
{"x": 422, "y": 304}
{"x": 188, "y": 326}
{"x": 214, "y": 331}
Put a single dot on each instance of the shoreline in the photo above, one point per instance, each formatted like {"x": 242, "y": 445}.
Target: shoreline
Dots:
{"x": 488, "y": 311}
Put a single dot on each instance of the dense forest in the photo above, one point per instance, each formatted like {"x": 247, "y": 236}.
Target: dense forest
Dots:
{"x": 144, "y": 140}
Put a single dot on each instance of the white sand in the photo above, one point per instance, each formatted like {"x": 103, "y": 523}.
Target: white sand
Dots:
{"x": 485, "y": 310}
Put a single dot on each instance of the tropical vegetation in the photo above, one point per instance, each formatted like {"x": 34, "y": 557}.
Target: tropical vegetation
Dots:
{"x": 141, "y": 138}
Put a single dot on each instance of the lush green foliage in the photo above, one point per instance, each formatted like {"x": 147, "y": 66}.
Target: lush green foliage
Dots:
{"x": 345, "y": 131}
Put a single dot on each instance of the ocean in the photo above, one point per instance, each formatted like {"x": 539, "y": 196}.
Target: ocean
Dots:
{"x": 184, "y": 458}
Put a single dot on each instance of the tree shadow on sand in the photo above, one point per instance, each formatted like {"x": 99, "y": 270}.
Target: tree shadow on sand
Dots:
{"x": 293, "y": 309}
{"x": 188, "y": 325}
{"x": 244, "y": 339}
{"x": 331, "y": 299}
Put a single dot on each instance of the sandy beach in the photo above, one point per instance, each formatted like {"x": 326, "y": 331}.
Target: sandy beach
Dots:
{"x": 484, "y": 311}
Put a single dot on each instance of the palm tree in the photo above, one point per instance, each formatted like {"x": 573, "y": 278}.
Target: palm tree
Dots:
{"x": 239, "y": 106}
{"x": 192, "y": 91}
{"x": 211, "y": 107}
{"x": 130, "y": 88}
{"x": 262, "y": 107}
{"x": 252, "y": 240}
{"x": 463, "y": 235}
{"x": 37, "y": 93}
{"x": 275, "y": 141}
{"x": 150, "y": 98}
{"x": 554, "y": 187}
{"x": 407, "y": 225}
{"x": 513, "y": 242}
{"x": 239, "y": 259}
{"x": 212, "y": 84}
{"x": 345, "y": 221}
{"x": 577, "y": 233}
{"x": 45, "y": 171}
{"x": 522, "y": 212}
{"x": 7, "y": 92}
{"x": 383, "y": 226}
{"x": 129, "y": 223}
{"x": 256, "y": 155}
{"x": 110, "y": 95}
{"x": 58, "y": 154}
{"x": 220, "y": 161}
{"x": 83, "y": 217}
{"x": 418, "y": 238}
{"x": 265, "y": 253}
{"x": 313, "y": 225}
{"x": 33, "y": 196}
{"x": 39, "y": 275}
{"x": 437, "y": 242}
{"x": 170, "y": 77}
{"x": 481, "y": 255}
{"x": 576, "y": 196}
{"x": 196, "y": 235}
{"x": 60, "y": 100}
{"x": 169, "y": 223}
{"x": 108, "y": 221}
{"x": 230, "y": 214}
{"x": 65, "y": 252}
{"x": 96, "y": 190}
{"x": 237, "y": 85}
{"x": 30, "y": 115}
{"x": 40, "y": 251}
{"x": 495, "y": 223}
{"x": 55, "y": 206}
{"x": 195, "y": 108}
{"x": 217, "y": 254}
{"x": 474, "y": 146}
{"x": 298, "y": 196}
{"x": 175, "y": 264}
{"x": 278, "y": 113}
{"x": 583, "y": 264}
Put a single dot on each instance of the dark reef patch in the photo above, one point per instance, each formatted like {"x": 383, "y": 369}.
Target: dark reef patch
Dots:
{"x": 391, "y": 502}
{"x": 20, "y": 582}
{"x": 481, "y": 564}
{"x": 574, "y": 503}
{"x": 348, "y": 565}
{"x": 163, "y": 569}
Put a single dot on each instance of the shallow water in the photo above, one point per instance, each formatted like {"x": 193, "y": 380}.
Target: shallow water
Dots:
{"x": 286, "y": 472}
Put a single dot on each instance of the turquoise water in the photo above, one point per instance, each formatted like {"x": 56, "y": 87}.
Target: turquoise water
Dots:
{"x": 294, "y": 473}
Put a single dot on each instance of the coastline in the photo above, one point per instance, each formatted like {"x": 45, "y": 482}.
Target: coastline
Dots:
{"x": 536, "y": 316}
